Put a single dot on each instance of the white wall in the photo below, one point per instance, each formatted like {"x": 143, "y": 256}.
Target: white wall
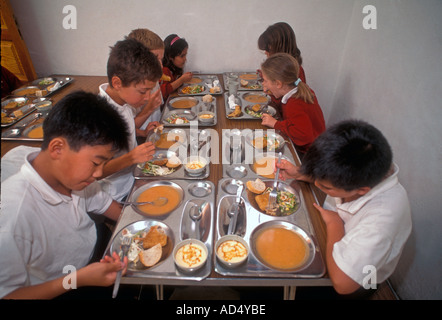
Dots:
{"x": 390, "y": 76}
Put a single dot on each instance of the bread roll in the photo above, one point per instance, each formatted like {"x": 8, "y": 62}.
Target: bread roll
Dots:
{"x": 151, "y": 256}
{"x": 257, "y": 186}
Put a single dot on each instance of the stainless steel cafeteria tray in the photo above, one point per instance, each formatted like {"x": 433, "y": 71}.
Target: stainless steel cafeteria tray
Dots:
{"x": 15, "y": 109}
{"x": 252, "y": 78}
{"x": 241, "y": 100}
{"x": 191, "y": 114}
{"x": 21, "y": 130}
{"x": 43, "y": 87}
{"x": 206, "y": 81}
{"x": 192, "y": 141}
{"x": 177, "y": 224}
{"x": 251, "y": 221}
{"x": 239, "y": 155}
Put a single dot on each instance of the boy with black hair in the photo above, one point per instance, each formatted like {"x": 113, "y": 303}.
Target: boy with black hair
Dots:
{"x": 368, "y": 218}
{"x": 133, "y": 71}
{"x": 44, "y": 222}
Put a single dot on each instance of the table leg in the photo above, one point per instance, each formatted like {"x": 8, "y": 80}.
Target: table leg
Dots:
{"x": 160, "y": 291}
{"x": 289, "y": 292}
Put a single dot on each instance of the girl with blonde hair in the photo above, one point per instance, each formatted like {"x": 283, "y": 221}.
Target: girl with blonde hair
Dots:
{"x": 302, "y": 117}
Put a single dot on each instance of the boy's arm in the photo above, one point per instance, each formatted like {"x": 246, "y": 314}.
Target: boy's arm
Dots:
{"x": 142, "y": 153}
{"x": 342, "y": 283}
{"x": 114, "y": 211}
{"x": 101, "y": 274}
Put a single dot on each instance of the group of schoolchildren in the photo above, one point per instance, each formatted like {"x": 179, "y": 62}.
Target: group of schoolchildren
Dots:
{"x": 84, "y": 167}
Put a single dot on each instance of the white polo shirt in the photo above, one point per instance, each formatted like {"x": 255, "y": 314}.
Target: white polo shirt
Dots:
{"x": 42, "y": 231}
{"x": 377, "y": 225}
{"x": 119, "y": 184}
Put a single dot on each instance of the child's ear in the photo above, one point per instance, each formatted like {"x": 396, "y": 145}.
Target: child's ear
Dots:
{"x": 56, "y": 147}
{"x": 363, "y": 190}
{"x": 116, "y": 83}
{"x": 278, "y": 84}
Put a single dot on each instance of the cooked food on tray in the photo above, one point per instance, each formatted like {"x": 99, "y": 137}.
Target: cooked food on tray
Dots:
{"x": 30, "y": 91}
{"x": 192, "y": 89}
{"x": 255, "y": 110}
{"x": 281, "y": 248}
{"x": 167, "y": 140}
{"x": 157, "y": 169}
{"x": 46, "y": 81}
{"x": 36, "y": 133}
{"x": 176, "y": 119}
{"x": 184, "y": 103}
{"x": 232, "y": 251}
{"x": 191, "y": 255}
{"x": 265, "y": 166}
{"x": 266, "y": 143}
{"x": 207, "y": 98}
{"x": 195, "y": 80}
{"x": 146, "y": 246}
{"x": 12, "y": 104}
{"x": 248, "y": 76}
{"x": 286, "y": 201}
{"x": 152, "y": 194}
{"x": 256, "y": 98}
{"x": 236, "y": 113}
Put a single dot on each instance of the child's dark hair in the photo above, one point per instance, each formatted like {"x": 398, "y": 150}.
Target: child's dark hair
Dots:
{"x": 280, "y": 37}
{"x": 350, "y": 155}
{"x": 85, "y": 119}
{"x": 132, "y": 62}
{"x": 173, "y": 46}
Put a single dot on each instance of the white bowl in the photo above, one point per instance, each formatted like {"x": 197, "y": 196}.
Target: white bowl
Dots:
{"x": 43, "y": 106}
{"x": 206, "y": 116}
{"x": 195, "y": 165}
{"x": 234, "y": 262}
{"x": 195, "y": 244}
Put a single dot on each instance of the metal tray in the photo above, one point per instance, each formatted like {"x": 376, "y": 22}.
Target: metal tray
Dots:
{"x": 22, "y": 104}
{"x": 207, "y": 81}
{"x": 44, "y": 89}
{"x": 20, "y": 130}
{"x": 193, "y": 142}
{"x": 245, "y": 105}
{"x": 238, "y": 154}
{"x": 253, "y": 79}
{"x": 251, "y": 220}
{"x": 191, "y": 114}
{"x": 178, "y": 226}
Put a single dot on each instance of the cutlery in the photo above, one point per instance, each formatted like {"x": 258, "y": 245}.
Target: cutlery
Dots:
{"x": 125, "y": 245}
{"x": 234, "y": 211}
{"x": 161, "y": 201}
{"x": 271, "y": 206}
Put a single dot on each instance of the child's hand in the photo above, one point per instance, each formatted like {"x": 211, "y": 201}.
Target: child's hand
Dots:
{"x": 329, "y": 217}
{"x": 142, "y": 153}
{"x": 268, "y": 120}
{"x": 151, "y": 126}
{"x": 186, "y": 77}
{"x": 101, "y": 273}
{"x": 287, "y": 170}
{"x": 155, "y": 99}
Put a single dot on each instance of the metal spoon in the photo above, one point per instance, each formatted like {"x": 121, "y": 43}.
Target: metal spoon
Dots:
{"x": 195, "y": 214}
{"x": 234, "y": 211}
{"x": 161, "y": 201}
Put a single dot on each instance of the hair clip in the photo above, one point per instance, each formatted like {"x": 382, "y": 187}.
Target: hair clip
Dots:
{"x": 297, "y": 82}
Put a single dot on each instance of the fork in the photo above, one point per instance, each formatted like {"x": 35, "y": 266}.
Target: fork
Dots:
{"x": 271, "y": 206}
{"x": 125, "y": 244}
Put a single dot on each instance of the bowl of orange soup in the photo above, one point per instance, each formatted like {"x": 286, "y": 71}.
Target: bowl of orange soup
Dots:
{"x": 282, "y": 246}
{"x": 154, "y": 190}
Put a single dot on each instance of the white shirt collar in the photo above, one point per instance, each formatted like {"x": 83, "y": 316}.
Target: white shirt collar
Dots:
{"x": 289, "y": 94}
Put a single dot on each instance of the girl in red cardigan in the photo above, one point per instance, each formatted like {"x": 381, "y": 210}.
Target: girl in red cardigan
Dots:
{"x": 302, "y": 118}
{"x": 175, "y": 57}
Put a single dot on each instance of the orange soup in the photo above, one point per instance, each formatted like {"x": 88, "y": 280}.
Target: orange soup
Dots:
{"x": 36, "y": 133}
{"x": 256, "y": 98}
{"x": 281, "y": 248}
{"x": 195, "y": 80}
{"x": 164, "y": 143}
{"x": 184, "y": 104}
{"x": 248, "y": 76}
{"x": 152, "y": 194}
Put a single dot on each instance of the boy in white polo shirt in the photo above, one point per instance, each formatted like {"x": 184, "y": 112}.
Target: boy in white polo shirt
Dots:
{"x": 44, "y": 222}
{"x": 367, "y": 212}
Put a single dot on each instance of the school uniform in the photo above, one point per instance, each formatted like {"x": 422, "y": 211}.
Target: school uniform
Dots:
{"x": 166, "y": 87}
{"x": 302, "y": 122}
{"x": 377, "y": 226}
{"x": 119, "y": 184}
{"x": 43, "y": 231}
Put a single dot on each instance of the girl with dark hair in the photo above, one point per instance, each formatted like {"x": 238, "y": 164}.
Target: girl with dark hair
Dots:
{"x": 175, "y": 57}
